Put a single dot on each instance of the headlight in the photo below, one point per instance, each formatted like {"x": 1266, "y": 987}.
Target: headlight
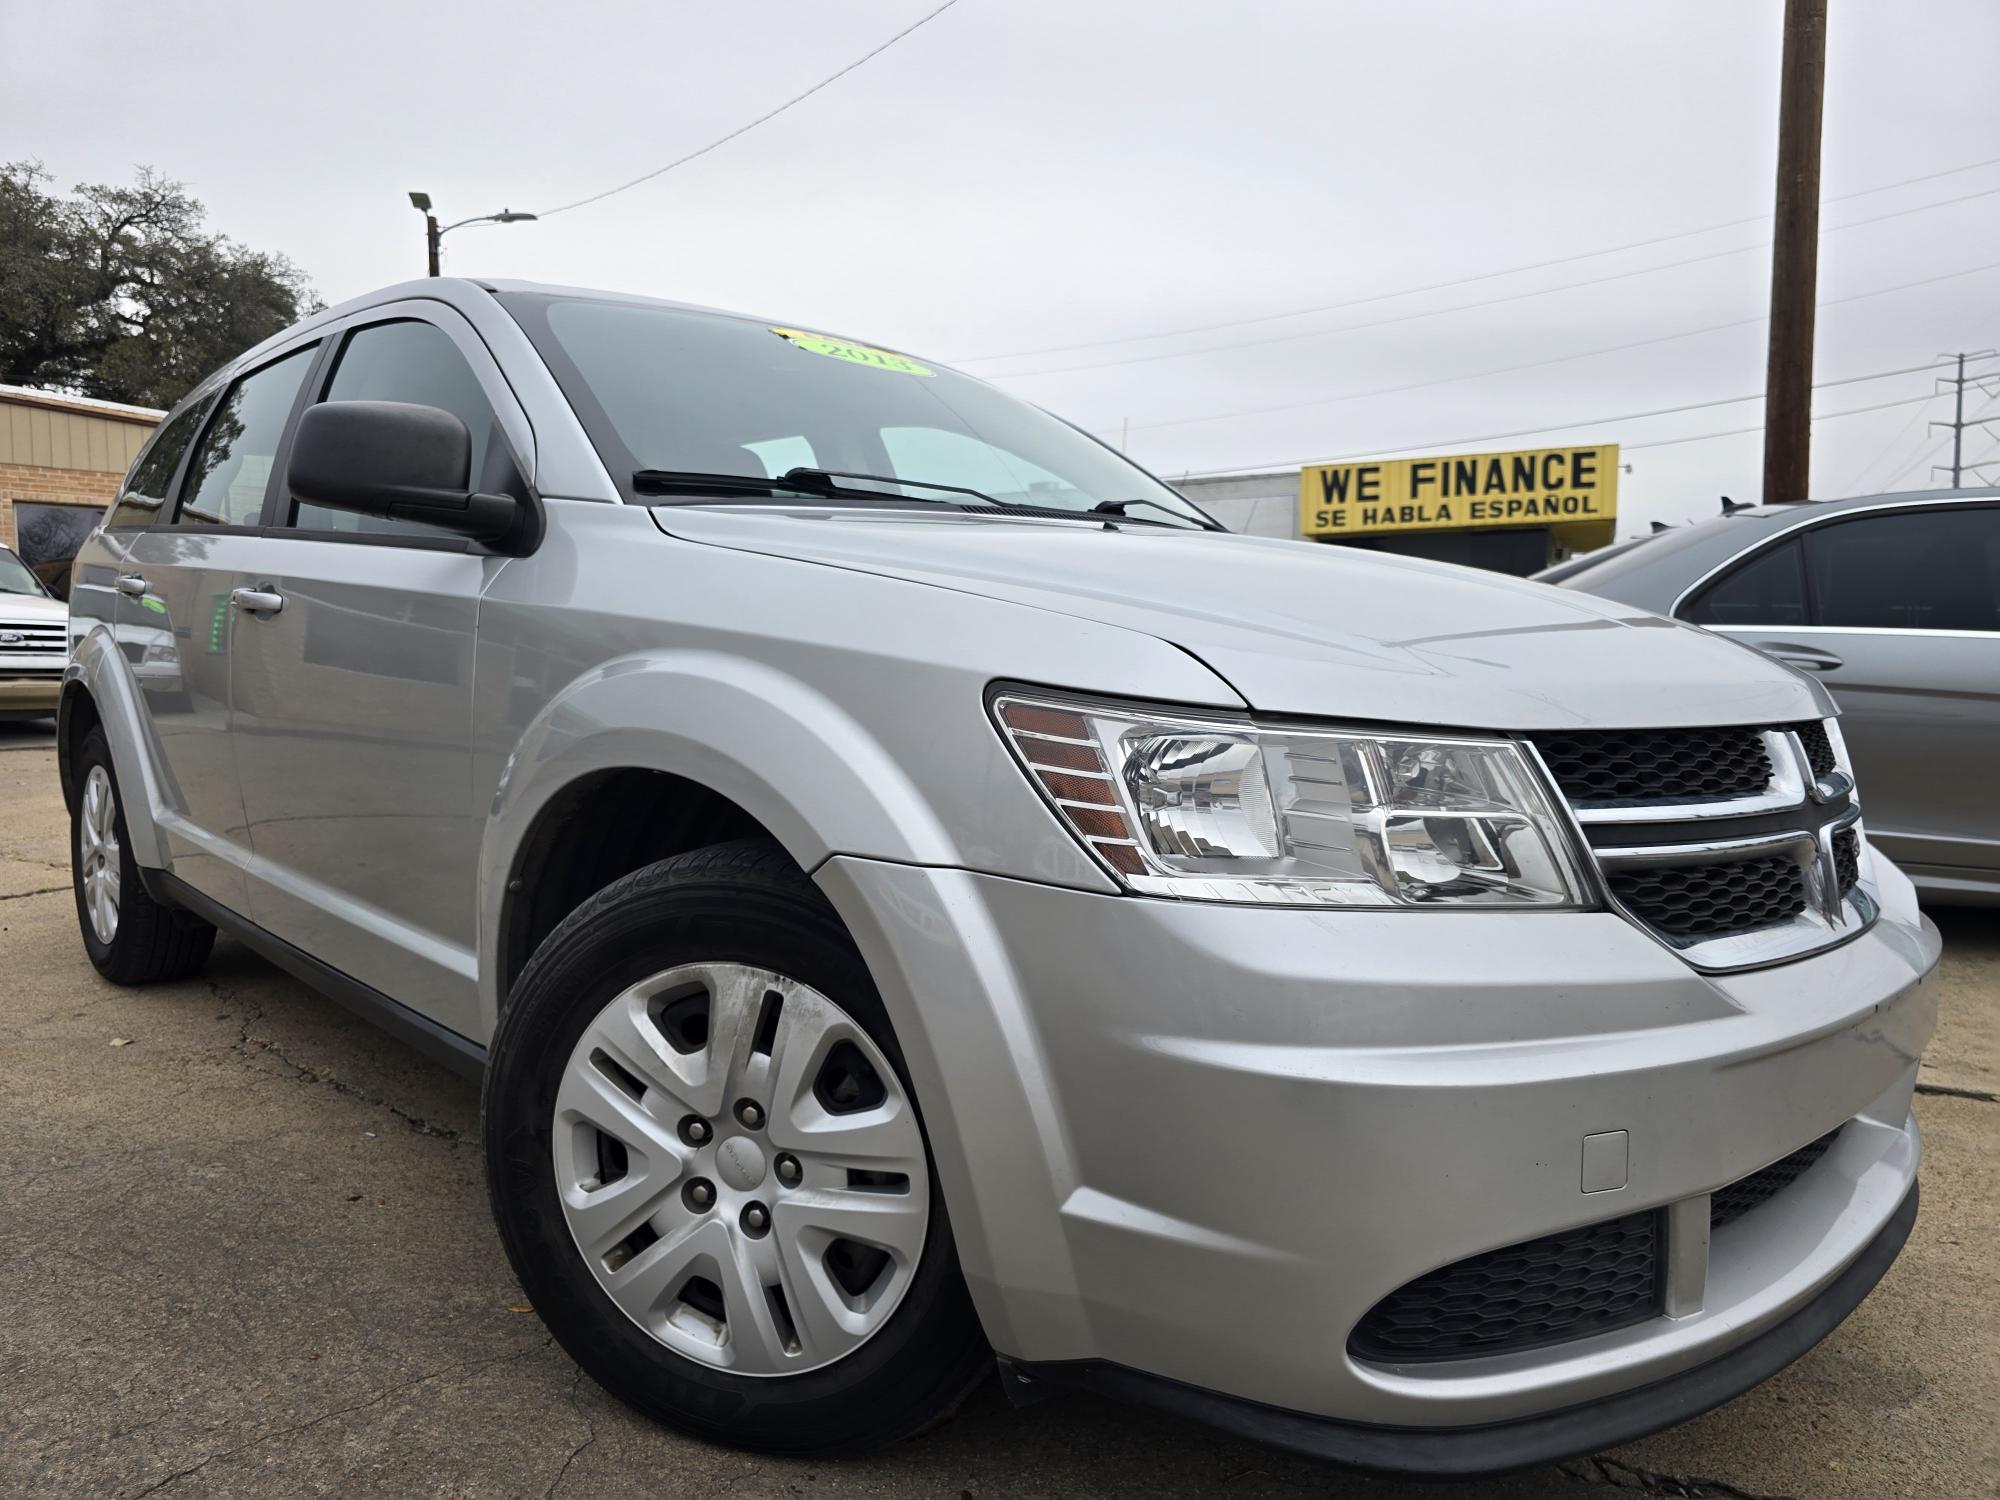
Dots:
{"x": 1226, "y": 810}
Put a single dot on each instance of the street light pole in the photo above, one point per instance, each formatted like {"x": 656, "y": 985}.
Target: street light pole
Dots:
{"x": 432, "y": 233}
{"x": 1795, "y": 256}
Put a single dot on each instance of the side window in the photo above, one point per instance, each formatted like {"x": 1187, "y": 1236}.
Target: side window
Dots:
{"x": 146, "y": 490}
{"x": 1908, "y": 570}
{"x": 413, "y": 362}
{"x": 231, "y": 467}
{"x": 1770, "y": 589}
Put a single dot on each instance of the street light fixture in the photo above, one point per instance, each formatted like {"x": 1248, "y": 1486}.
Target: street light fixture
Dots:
{"x": 421, "y": 202}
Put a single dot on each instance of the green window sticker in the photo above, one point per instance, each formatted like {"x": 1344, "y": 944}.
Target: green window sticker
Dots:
{"x": 858, "y": 354}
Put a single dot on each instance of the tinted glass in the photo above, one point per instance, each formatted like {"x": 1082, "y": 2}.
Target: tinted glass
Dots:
{"x": 146, "y": 487}
{"x": 413, "y": 362}
{"x": 231, "y": 468}
{"x": 663, "y": 388}
{"x": 1909, "y": 570}
{"x": 1768, "y": 590}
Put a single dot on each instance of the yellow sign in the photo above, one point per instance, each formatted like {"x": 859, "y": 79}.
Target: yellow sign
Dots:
{"x": 1575, "y": 488}
{"x": 860, "y": 354}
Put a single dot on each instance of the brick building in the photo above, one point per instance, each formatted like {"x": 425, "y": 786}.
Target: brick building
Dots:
{"x": 61, "y": 458}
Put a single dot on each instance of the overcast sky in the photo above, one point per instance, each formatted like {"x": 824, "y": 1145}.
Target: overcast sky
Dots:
{"x": 1020, "y": 176}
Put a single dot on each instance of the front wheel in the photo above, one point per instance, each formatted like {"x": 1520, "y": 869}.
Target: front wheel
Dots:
{"x": 709, "y": 1171}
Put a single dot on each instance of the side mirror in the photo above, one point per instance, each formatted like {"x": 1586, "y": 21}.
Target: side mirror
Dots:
{"x": 402, "y": 462}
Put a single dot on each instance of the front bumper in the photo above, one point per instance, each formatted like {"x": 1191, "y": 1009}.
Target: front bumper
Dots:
{"x": 29, "y": 691}
{"x": 1201, "y": 1142}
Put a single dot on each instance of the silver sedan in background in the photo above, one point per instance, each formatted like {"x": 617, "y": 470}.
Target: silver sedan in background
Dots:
{"x": 1892, "y": 601}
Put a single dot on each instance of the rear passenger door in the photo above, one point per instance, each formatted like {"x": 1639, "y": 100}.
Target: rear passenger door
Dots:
{"x": 184, "y": 546}
{"x": 1898, "y": 611}
{"x": 353, "y": 696}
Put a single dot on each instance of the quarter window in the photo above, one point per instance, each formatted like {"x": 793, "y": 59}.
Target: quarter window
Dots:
{"x": 231, "y": 468}
{"x": 146, "y": 488}
{"x": 416, "y": 363}
{"x": 1769, "y": 589}
{"x": 1908, "y": 570}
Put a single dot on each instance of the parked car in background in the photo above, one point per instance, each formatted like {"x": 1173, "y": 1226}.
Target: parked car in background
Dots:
{"x": 1892, "y": 601}
{"x": 919, "y": 891}
{"x": 34, "y": 642}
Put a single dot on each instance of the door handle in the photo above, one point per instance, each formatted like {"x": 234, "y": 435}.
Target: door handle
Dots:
{"x": 1812, "y": 658}
{"x": 132, "y": 584}
{"x": 257, "y": 601}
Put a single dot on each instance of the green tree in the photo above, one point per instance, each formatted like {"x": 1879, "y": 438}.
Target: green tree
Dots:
{"x": 123, "y": 294}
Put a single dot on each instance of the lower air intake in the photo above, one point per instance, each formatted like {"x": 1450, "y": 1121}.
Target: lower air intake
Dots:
{"x": 1546, "y": 1291}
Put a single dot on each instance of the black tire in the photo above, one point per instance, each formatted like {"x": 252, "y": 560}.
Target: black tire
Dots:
{"x": 151, "y": 943}
{"x": 743, "y": 902}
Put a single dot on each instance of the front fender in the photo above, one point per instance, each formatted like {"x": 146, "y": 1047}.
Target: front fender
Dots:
{"x": 770, "y": 742}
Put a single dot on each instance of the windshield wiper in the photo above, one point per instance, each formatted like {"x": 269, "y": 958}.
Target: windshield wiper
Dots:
{"x": 826, "y": 484}
{"x": 1117, "y": 508}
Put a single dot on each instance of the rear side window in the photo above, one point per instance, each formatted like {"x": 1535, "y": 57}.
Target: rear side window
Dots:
{"x": 231, "y": 468}
{"x": 416, "y": 363}
{"x": 1770, "y": 589}
{"x": 1908, "y": 570}
{"x": 146, "y": 490}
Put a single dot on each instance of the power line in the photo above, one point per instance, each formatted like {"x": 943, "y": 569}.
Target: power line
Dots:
{"x": 1538, "y": 364}
{"x": 1438, "y": 312}
{"x": 761, "y": 119}
{"x": 1822, "y": 416}
{"x": 1629, "y": 416}
{"x": 1442, "y": 286}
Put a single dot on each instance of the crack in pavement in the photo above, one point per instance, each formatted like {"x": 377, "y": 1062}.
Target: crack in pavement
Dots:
{"x": 1631, "y": 1479}
{"x": 575, "y": 1453}
{"x": 47, "y": 890}
{"x": 297, "y": 1427}
{"x": 1953, "y": 1091}
{"x": 248, "y": 1047}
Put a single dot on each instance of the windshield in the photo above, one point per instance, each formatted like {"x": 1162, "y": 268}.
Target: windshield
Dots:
{"x": 662, "y": 388}
{"x": 15, "y": 577}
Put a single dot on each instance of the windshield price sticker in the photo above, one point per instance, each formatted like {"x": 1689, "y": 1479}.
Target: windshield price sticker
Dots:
{"x": 858, "y": 354}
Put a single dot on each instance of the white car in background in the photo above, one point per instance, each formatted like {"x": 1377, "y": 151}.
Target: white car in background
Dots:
{"x": 34, "y": 644}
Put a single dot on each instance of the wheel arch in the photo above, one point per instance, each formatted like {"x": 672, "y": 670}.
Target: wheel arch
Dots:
{"x": 712, "y": 747}
{"x": 98, "y": 692}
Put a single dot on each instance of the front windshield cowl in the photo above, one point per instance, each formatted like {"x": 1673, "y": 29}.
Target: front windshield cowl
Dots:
{"x": 675, "y": 391}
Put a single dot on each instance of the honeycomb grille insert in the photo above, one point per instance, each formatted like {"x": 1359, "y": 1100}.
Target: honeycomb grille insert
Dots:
{"x": 1727, "y": 1205}
{"x": 1819, "y": 746}
{"x": 1847, "y": 858}
{"x": 1546, "y": 1291}
{"x": 1610, "y": 766}
{"x": 1710, "y": 901}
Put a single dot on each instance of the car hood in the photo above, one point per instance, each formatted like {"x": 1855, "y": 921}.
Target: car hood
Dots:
{"x": 31, "y": 609}
{"x": 1307, "y": 629}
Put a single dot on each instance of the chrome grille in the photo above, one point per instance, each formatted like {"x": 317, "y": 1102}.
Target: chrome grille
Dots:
{"x": 1735, "y": 846}
{"x": 42, "y": 638}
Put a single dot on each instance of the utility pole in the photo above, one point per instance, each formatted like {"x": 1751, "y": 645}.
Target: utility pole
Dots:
{"x": 1958, "y": 382}
{"x": 1795, "y": 256}
{"x": 431, "y": 240}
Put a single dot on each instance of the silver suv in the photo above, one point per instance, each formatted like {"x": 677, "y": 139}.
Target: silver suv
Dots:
{"x": 919, "y": 892}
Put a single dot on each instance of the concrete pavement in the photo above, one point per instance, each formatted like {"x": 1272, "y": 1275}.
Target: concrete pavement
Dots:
{"x": 244, "y": 1250}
